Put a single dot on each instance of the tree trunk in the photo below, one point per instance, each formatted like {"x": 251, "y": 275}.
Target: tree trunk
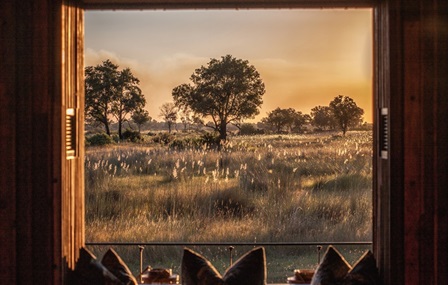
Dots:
{"x": 223, "y": 131}
{"x": 119, "y": 130}
{"x": 106, "y": 126}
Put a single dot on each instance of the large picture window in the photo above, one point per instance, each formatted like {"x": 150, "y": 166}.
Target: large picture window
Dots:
{"x": 285, "y": 181}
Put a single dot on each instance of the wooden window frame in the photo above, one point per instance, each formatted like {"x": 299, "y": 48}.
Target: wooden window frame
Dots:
{"x": 387, "y": 250}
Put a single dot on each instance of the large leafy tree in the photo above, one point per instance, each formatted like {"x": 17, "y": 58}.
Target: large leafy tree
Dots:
{"x": 346, "y": 112}
{"x": 228, "y": 91}
{"x": 111, "y": 94}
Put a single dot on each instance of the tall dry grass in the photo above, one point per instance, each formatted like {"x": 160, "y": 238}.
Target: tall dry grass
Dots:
{"x": 310, "y": 188}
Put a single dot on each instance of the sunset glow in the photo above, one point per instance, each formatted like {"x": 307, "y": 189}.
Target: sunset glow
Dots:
{"x": 305, "y": 57}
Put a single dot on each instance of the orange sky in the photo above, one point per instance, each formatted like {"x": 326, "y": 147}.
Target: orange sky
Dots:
{"x": 305, "y": 57}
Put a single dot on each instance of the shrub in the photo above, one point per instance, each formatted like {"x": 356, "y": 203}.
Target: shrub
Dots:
{"x": 132, "y": 136}
{"x": 186, "y": 143}
{"x": 248, "y": 129}
{"x": 99, "y": 139}
{"x": 210, "y": 140}
{"x": 163, "y": 138}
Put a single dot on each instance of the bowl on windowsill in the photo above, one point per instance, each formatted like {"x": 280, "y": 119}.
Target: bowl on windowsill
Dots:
{"x": 301, "y": 276}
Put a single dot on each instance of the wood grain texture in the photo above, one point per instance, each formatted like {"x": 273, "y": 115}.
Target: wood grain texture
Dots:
{"x": 42, "y": 193}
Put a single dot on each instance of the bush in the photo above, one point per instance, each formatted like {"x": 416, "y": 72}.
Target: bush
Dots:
{"x": 132, "y": 136}
{"x": 163, "y": 138}
{"x": 250, "y": 129}
{"x": 186, "y": 143}
{"x": 210, "y": 140}
{"x": 99, "y": 139}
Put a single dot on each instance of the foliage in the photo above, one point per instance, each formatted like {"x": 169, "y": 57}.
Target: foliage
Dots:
{"x": 132, "y": 136}
{"x": 140, "y": 117}
{"x": 163, "y": 138}
{"x": 249, "y": 129}
{"x": 322, "y": 117}
{"x": 99, "y": 140}
{"x": 346, "y": 112}
{"x": 287, "y": 120}
{"x": 227, "y": 90}
{"x": 168, "y": 111}
{"x": 111, "y": 93}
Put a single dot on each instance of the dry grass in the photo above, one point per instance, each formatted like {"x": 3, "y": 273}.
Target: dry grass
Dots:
{"x": 260, "y": 188}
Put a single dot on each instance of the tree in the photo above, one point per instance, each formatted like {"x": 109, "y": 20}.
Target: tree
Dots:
{"x": 140, "y": 117}
{"x": 346, "y": 112}
{"x": 111, "y": 93}
{"x": 288, "y": 120}
{"x": 227, "y": 90}
{"x": 129, "y": 98}
{"x": 322, "y": 117}
{"x": 299, "y": 121}
{"x": 168, "y": 111}
{"x": 186, "y": 117}
{"x": 277, "y": 119}
{"x": 100, "y": 90}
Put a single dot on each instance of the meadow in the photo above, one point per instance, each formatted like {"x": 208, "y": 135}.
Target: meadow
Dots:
{"x": 260, "y": 188}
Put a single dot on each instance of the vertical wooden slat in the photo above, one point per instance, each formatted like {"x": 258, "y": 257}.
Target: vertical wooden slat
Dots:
{"x": 7, "y": 142}
{"x": 73, "y": 169}
{"x": 412, "y": 150}
{"x": 440, "y": 57}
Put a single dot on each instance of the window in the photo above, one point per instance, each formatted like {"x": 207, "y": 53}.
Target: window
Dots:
{"x": 121, "y": 162}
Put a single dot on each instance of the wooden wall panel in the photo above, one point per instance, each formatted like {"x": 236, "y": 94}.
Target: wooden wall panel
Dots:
{"x": 41, "y": 192}
{"x": 34, "y": 173}
{"x": 7, "y": 142}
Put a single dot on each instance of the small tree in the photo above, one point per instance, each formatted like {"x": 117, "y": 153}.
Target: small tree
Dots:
{"x": 140, "y": 117}
{"x": 227, "y": 90}
{"x": 288, "y": 120}
{"x": 346, "y": 112}
{"x": 168, "y": 111}
{"x": 322, "y": 117}
{"x": 299, "y": 121}
{"x": 186, "y": 117}
{"x": 277, "y": 119}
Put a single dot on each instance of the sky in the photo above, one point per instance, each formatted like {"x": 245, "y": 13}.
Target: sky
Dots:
{"x": 304, "y": 57}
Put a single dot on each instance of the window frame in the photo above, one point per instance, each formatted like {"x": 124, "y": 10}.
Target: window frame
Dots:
{"x": 385, "y": 203}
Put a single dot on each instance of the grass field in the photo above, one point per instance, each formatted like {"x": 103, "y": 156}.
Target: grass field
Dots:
{"x": 301, "y": 188}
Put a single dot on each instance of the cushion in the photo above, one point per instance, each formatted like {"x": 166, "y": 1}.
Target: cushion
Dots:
{"x": 250, "y": 269}
{"x": 332, "y": 269}
{"x": 90, "y": 271}
{"x": 112, "y": 261}
{"x": 364, "y": 272}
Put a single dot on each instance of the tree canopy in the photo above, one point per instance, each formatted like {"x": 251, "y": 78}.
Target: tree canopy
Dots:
{"x": 140, "y": 117}
{"x": 168, "y": 112}
{"x": 228, "y": 90}
{"x": 287, "y": 120}
{"x": 322, "y": 117}
{"x": 346, "y": 112}
{"x": 111, "y": 94}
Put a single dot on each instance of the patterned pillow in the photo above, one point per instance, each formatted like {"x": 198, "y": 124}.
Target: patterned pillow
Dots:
{"x": 332, "y": 269}
{"x": 364, "y": 272}
{"x": 112, "y": 261}
{"x": 89, "y": 271}
{"x": 250, "y": 269}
